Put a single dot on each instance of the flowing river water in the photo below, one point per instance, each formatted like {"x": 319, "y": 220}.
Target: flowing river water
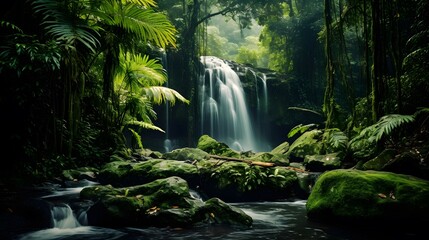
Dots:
{"x": 271, "y": 220}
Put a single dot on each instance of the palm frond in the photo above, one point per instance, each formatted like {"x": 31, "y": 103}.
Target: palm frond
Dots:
{"x": 61, "y": 21}
{"x": 159, "y": 94}
{"x": 300, "y": 129}
{"x": 6, "y": 24}
{"x": 144, "y": 3}
{"x": 144, "y": 23}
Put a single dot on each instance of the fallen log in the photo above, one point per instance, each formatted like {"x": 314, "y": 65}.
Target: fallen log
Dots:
{"x": 248, "y": 161}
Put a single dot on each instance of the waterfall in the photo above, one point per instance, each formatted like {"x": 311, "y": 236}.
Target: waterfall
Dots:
{"x": 167, "y": 141}
{"x": 223, "y": 109}
{"x": 63, "y": 217}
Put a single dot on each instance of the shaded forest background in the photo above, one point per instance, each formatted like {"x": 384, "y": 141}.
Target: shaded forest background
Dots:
{"x": 77, "y": 74}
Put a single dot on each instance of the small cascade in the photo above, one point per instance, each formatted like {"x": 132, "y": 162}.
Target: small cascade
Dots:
{"x": 224, "y": 112}
{"x": 63, "y": 217}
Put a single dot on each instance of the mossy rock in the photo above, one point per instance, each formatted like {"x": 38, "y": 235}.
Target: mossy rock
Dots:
{"x": 321, "y": 163}
{"x": 162, "y": 203}
{"x": 211, "y": 146}
{"x": 88, "y": 173}
{"x": 129, "y": 206}
{"x": 380, "y": 161}
{"x": 113, "y": 172}
{"x": 217, "y": 211}
{"x": 184, "y": 154}
{"x": 368, "y": 197}
{"x": 307, "y": 144}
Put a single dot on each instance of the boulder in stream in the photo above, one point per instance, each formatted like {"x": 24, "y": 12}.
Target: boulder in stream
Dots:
{"x": 164, "y": 202}
{"x": 369, "y": 197}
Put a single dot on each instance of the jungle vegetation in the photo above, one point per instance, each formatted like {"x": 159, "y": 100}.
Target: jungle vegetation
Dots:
{"x": 76, "y": 74}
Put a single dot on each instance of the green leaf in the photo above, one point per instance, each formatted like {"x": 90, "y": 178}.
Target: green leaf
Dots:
{"x": 300, "y": 129}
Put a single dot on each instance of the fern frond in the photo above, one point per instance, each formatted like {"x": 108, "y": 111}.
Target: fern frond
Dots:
{"x": 338, "y": 139}
{"x": 144, "y": 125}
{"x": 421, "y": 110}
{"x": 137, "y": 137}
{"x": 388, "y": 123}
{"x": 300, "y": 129}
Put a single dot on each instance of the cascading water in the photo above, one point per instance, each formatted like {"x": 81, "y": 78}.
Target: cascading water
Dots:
{"x": 224, "y": 112}
{"x": 167, "y": 141}
{"x": 63, "y": 217}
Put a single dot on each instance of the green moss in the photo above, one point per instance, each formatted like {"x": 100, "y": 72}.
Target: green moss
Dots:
{"x": 380, "y": 161}
{"x": 211, "y": 146}
{"x": 97, "y": 192}
{"x": 187, "y": 154}
{"x": 307, "y": 144}
{"x": 112, "y": 172}
{"x": 355, "y": 194}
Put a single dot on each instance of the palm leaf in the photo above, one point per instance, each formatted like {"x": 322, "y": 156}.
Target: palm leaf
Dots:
{"x": 300, "y": 129}
{"x": 159, "y": 94}
{"x": 144, "y": 23}
{"x": 61, "y": 21}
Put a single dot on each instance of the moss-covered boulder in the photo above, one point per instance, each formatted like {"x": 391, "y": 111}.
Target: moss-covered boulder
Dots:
{"x": 161, "y": 203}
{"x": 154, "y": 169}
{"x": 217, "y": 211}
{"x": 380, "y": 161}
{"x": 113, "y": 172}
{"x": 211, "y": 146}
{"x": 88, "y": 173}
{"x": 369, "y": 197}
{"x": 307, "y": 144}
{"x": 127, "y": 173}
{"x": 187, "y": 154}
{"x": 321, "y": 163}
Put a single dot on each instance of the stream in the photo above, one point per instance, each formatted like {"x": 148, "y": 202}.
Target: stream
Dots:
{"x": 271, "y": 220}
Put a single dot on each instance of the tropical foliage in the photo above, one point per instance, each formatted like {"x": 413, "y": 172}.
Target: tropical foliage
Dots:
{"x": 87, "y": 66}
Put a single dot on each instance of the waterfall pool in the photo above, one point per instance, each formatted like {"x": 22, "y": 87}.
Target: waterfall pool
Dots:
{"x": 272, "y": 220}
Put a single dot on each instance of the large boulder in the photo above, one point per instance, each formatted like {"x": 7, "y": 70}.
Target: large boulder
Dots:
{"x": 211, "y": 146}
{"x": 321, "y": 163}
{"x": 369, "y": 197}
{"x": 161, "y": 203}
{"x": 187, "y": 154}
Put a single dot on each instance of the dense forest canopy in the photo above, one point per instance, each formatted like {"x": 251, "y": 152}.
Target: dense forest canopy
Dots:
{"x": 77, "y": 74}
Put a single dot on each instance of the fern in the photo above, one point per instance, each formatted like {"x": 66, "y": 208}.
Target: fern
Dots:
{"x": 300, "y": 129}
{"x": 371, "y": 135}
{"x": 137, "y": 137}
{"x": 337, "y": 139}
{"x": 144, "y": 125}
{"x": 388, "y": 123}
